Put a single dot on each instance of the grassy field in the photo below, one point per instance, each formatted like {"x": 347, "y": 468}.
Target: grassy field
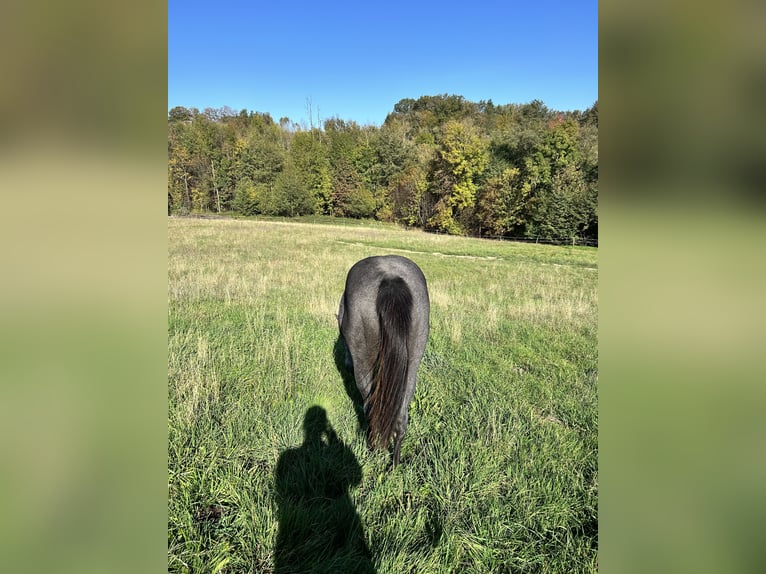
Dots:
{"x": 268, "y": 471}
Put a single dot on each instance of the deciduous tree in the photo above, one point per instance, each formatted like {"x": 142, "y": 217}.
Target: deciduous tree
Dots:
{"x": 461, "y": 158}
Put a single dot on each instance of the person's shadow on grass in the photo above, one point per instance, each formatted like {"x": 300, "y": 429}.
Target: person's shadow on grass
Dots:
{"x": 319, "y": 528}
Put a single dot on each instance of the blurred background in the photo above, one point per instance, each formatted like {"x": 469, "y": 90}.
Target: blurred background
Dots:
{"x": 83, "y": 312}
{"x": 683, "y": 170}
{"x": 83, "y": 308}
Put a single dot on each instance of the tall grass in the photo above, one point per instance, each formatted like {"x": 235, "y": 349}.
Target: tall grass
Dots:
{"x": 499, "y": 466}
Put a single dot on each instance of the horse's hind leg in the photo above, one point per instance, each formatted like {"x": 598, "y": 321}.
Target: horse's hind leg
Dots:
{"x": 397, "y": 447}
{"x": 401, "y": 429}
{"x": 347, "y": 358}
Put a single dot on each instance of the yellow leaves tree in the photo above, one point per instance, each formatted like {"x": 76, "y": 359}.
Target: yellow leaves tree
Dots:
{"x": 462, "y": 156}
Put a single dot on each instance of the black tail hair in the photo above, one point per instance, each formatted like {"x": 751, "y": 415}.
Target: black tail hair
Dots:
{"x": 394, "y": 308}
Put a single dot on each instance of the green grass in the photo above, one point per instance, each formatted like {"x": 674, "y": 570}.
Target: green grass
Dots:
{"x": 499, "y": 467}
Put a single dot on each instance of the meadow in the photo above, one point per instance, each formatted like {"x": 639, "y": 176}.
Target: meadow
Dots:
{"x": 499, "y": 466}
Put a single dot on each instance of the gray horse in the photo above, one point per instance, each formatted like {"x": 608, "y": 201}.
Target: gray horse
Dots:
{"x": 384, "y": 321}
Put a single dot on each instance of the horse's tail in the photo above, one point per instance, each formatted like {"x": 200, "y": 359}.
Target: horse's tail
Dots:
{"x": 394, "y": 308}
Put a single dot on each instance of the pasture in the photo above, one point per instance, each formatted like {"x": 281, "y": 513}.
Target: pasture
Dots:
{"x": 267, "y": 468}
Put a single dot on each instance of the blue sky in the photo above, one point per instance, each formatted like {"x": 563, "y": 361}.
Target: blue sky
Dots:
{"x": 355, "y": 60}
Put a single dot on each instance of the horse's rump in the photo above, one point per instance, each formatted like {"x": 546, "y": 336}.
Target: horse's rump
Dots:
{"x": 383, "y": 319}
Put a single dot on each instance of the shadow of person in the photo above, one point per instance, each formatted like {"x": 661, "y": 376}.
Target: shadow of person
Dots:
{"x": 342, "y": 363}
{"x": 319, "y": 529}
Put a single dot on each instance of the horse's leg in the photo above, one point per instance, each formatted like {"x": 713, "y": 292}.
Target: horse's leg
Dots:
{"x": 397, "y": 447}
{"x": 404, "y": 413}
{"x": 401, "y": 429}
{"x": 348, "y": 361}
{"x": 363, "y": 378}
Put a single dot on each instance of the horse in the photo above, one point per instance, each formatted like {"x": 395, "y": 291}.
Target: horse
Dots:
{"x": 384, "y": 322}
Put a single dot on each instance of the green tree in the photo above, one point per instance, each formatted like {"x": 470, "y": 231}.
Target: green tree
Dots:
{"x": 406, "y": 191}
{"x": 179, "y": 194}
{"x": 289, "y": 196}
{"x": 351, "y": 196}
{"x": 497, "y": 207}
{"x": 308, "y": 157}
{"x": 461, "y": 158}
{"x": 554, "y": 196}
{"x": 179, "y": 113}
{"x": 249, "y": 197}
{"x": 393, "y": 152}
{"x": 440, "y": 162}
{"x": 354, "y": 168}
{"x": 565, "y": 210}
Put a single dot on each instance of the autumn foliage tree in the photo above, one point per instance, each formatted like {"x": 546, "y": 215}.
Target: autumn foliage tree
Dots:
{"x": 439, "y": 162}
{"x": 460, "y": 159}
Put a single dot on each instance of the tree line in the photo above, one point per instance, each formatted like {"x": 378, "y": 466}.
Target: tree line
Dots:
{"x": 441, "y": 162}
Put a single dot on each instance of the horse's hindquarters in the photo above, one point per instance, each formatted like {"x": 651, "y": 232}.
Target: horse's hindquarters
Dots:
{"x": 384, "y": 320}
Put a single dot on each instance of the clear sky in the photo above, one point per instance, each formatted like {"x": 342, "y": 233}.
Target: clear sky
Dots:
{"x": 355, "y": 60}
